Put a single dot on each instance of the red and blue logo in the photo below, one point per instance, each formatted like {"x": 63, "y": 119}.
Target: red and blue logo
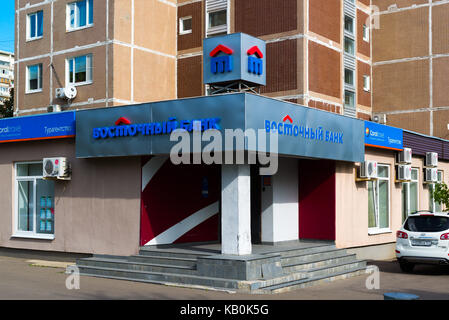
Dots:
{"x": 255, "y": 61}
{"x": 221, "y": 63}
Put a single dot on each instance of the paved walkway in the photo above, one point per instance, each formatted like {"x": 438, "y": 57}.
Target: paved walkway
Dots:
{"x": 20, "y": 279}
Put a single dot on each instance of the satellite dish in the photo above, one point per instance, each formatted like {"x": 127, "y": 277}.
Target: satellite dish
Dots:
{"x": 70, "y": 92}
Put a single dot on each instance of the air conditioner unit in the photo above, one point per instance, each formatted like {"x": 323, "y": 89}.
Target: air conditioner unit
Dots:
{"x": 380, "y": 118}
{"x": 430, "y": 175}
{"x": 54, "y": 108}
{"x": 368, "y": 170}
{"x": 69, "y": 93}
{"x": 404, "y": 173}
{"x": 405, "y": 156}
{"x": 431, "y": 159}
{"x": 56, "y": 168}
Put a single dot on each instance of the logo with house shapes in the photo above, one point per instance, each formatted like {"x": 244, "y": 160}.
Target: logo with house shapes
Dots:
{"x": 255, "y": 61}
{"x": 221, "y": 63}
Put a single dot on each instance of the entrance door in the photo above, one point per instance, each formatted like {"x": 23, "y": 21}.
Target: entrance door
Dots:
{"x": 179, "y": 203}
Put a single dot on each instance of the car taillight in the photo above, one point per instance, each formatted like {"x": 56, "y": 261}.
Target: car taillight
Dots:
{"x": 402, "y": 235}
{"x": 444, "y": 236}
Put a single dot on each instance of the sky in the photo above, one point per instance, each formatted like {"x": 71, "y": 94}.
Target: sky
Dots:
{"x": 7, "y": 16}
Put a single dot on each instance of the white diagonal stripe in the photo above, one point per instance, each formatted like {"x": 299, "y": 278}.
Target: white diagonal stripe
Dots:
{"x": 172, "y": 234}
{"x": 151, "y": 168}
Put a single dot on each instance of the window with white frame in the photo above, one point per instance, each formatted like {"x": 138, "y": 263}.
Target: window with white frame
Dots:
{"x": 349, "y": 77}
{"x": 379, "y": 201}
{"x": 349, "y": 99}
{"x": 435, "y": 206}
{"x": 366, "y": 33}
{"x": 34, "y": 78}
{"x": 34, "y": 213}
{"x": 349, "y": 46}
{"x": 185, "y": 25}
{"x": 79, "y": 70}
{"x": 217, "y": 16}
{"x": 80, "y": 14}
{"x": 349, "y": 24}
{"x": 410, "y": 195}
{"x": 35, "y": 25}
{"x": 367, "y": 83}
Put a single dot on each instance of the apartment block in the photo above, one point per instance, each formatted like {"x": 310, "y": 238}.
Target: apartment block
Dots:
{"x": 318, "y": 52}
{"x": 411, "y": 64}
{"x": 6, "y": 74}
{"x": 101, "y": 48}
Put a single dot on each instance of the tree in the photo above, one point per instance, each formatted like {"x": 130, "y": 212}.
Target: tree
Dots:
{"x": 7, "y": 109}
{"x": 441, "y": 194}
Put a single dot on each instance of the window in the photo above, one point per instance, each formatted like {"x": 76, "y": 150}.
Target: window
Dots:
{"x": 349, "y": 24}
{"x": 34, "y": 214}
{"x": 349, "y": 77}
{"x": 79, "y": 70}
{"x": 35, "y": 25}
{"x": 185, "y": 25}
{"x": 349, "y": 99}
{"x": 435, "y": 206}
{"x": 349, "y": 46}
{"x": 80, "y": 14}
{"x": 34, "y": 78}
{"x": 365, "y": 33}
{"x": 367, "y": 83}
{"x": 217, "y": 18}
{"x": 379, "y": 201}
{"x": 410, "y": 195}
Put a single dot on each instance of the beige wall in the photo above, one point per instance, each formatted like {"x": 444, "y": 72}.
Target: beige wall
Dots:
{"x": 98, "y": 211}
{"x": 352, "y": 201}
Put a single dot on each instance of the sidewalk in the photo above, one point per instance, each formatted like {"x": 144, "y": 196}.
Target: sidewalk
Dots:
{"x": 20, "y": 279}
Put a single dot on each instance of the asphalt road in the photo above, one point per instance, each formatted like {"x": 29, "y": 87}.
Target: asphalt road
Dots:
{"x": 20, "y": 280}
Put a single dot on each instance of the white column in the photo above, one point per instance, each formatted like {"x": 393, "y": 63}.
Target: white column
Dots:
{"x": 280, "y": 207}
{"x": 236, "y": 209}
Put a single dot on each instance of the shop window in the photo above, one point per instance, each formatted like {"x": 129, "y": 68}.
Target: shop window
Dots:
{"x": 435, "y": 206}
{"x": 185, "y": 25}
{"x": 410, "y": 195}
{"x": 379, "y": 201}
{"x": 34, "y": 78}
{"x": 34, "y": 214}
{"x": 35, "y": 25}
{"x": 80, "y": 14}
{"x": 79, "y": 70}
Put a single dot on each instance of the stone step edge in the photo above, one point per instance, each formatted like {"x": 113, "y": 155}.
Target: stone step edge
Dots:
{"x": 79, "y": 262}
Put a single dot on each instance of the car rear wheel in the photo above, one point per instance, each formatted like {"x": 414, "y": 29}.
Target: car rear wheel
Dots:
{"x": 406, "y": 266}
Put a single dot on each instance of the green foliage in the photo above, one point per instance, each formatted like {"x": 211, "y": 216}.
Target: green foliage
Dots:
{"x": 441, "y": 194}
{"x": 7, "y": 109}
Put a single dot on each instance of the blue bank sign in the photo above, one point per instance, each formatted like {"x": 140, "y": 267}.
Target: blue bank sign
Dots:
{"x": 381, "y": 136}
{"x": 38, "y": 127}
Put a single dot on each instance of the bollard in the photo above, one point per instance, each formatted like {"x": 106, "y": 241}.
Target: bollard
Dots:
{"x": 400, "y": 296}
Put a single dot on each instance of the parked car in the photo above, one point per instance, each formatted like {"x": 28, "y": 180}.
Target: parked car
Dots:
{"x": 423, "y": 239}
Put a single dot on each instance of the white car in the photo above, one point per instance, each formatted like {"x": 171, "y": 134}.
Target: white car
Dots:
{"x": 423, "y": 239}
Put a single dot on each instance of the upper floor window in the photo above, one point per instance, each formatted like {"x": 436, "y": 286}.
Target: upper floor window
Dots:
{"x": 349, "y": 46}
{"x": 35, "y": 25}
{"x": 367, "y": 83}
{"x": 34, "y": 78}
{"x": 79, "y": 70}
{"x": 80, "y": 14}
{"x": 365, "y": 33}
{"x": 349, "y": 24}
{"x": 185, "y": 25}
{"x": 217, "y": 15}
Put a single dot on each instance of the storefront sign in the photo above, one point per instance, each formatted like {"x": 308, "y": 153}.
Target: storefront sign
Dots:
{"x": 382, "y": 136}
{"x": 38, "y": 127}
{"x": 145, "y": 129}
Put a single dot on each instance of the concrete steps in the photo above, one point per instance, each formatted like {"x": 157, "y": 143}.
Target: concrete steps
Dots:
{"x": 301, "y": 267}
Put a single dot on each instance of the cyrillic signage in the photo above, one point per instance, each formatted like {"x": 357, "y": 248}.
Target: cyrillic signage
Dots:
{"x": 382, "y": 136}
